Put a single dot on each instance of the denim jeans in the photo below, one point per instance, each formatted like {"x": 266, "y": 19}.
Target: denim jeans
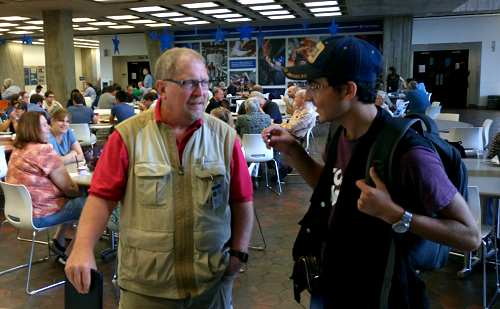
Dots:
{"x": 70, "y": 212}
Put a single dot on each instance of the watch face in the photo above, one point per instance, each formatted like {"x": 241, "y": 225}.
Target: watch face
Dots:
{"x": 401, "y": 227}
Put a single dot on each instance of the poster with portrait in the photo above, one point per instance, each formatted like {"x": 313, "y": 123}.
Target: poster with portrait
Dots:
{"x": 242, "y": 78}
{"x": 215, "y": 55}
{"x": 299, "y": 49}
{"x": 242, "y": 48}
{"x": 272, "y": 62}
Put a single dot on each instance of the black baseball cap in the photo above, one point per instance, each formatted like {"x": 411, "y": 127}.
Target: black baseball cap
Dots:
{"x": 340, "y": 60}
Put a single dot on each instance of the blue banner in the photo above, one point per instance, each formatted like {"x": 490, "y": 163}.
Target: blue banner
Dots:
{"x": 242, "y": 64}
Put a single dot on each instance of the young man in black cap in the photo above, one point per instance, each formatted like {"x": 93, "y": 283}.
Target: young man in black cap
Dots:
{"x": 355, "y": 222}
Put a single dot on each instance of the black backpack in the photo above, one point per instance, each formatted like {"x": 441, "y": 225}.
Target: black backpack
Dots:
{"x": 422, "y": 254}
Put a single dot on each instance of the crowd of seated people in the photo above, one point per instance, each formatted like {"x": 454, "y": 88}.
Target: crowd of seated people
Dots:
{"x": 55, "y": 197}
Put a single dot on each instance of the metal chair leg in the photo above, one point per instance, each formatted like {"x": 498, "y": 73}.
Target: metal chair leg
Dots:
{"x": 259, "y": 248}
{"x": 29, "y": 240}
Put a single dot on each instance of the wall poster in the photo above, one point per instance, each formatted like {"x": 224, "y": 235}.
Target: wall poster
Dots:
{"x": 272, "y": 62}
{"x": 215, "y": 55}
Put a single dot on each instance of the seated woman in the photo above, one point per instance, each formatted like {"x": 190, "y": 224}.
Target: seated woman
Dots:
{"x": 10, "y": 124}
{"x": 33, "y": 163}
{"x": 62, "y": 138}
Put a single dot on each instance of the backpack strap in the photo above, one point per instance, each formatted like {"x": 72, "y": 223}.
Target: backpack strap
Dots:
{"x": 382, "y": 152}
{"x": 429, "y": 123}
{"x": 381, "y": 156}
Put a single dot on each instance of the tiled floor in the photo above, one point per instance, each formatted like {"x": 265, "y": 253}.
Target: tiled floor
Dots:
{"x": 265, "y": 284}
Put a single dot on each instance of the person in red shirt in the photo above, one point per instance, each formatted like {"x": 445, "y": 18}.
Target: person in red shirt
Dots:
{"x": 182, "y": 82}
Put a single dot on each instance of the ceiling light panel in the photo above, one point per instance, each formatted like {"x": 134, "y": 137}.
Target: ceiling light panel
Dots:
{"x": 187, "y": 18}
{"x": 34, "y": 22}
{"x": 145, "y": 9}
{"x": 249, "y": 2}
{"x": 266, "y": 7}
{"x": 122, "y": 27}
{"x": 197, "y": 22}
{"x": 215, "y": 11}
{"x": 20, "y": 32}
{"x": 200, "y": 5}
{"x": 29, "y": 27}
{"x": 222, "y": 16}
{"x": 122, "y": 17}
{"x": 168, "y": 14}
{"x": 142, "y": 21}
{"x": 82, "y": 20}
{"x": 84, "y": 40}
{"x": 14, "y": 18}
{"x": 321, "y": 3}
{"x": 235, "y": 20}
{"x": 86, "y": 28}
{"x": 158, "y": 25}
{"x": 326, "y": 9}
{"x": 8, "y": 25}
{"x": 281, "y": 17}
{"x": 267, "y": 13}
{"x": 103, "y": 23}
{"x": 2, "y": 29}
{"x": 328, "y": 14}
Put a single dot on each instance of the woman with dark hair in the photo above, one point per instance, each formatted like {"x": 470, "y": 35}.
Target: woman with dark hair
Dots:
{"x": 33, "y": 163}
{"x": 10, "y": 124}
{"x": 79, "y": 112}
{"x": 70, "y": 100}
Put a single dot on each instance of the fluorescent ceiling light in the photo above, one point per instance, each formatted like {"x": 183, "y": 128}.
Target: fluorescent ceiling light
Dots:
{"x": 157, "y": 25}
{"x": 103, "y": 23}
{"x": 29, "y": 27}
{"x": 8, "y": 25}
{"x": 122, "y": 27}
{"x": 13, "y": 18}
{"x": 328, "y": 14}
{"x": 221, "y": 16}
{"x": 184, "y": 18}
{"x": 267, "y": 13}
{"x": 35, "y": 22}
{"x": 234, "y": 20}
{"x": 76, "y": 25}
{"x": 144, "y": 9}
{"x": 20, "y": 32}
{"x": 85, "y": 40}
{"x": 2, "y": 29}
{"x": 281, "y": 17}
{"x": 82, "y": 20}
{"x": 327, "y": 9}
{"x": 86, "y": 29}
{"x": 37, "y": 43}
{"x": 122, "y": 17}
{"x": 168, "y": 14}
{"x": 17, "y": 41}
{"x": 197, "y": 22}
{"x": 200, "y": 5}
{"x": 246, "y": 2}
{"x": 142, "y": 21}
{"x": 215, "y": 11}
{"x": 266, "y": 7}
{"x": 321, "y": 3}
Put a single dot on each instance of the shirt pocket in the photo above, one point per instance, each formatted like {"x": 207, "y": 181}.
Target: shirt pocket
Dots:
{"x": 211, "y": 185}
{"x": 151, "y": 183}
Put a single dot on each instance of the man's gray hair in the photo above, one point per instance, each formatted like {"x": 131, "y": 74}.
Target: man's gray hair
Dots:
{"x": 7, "y": 83}
{"x": 252, "y": 105}
{"x": 166, "y": 66}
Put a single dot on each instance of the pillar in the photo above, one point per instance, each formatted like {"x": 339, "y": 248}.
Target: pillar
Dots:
{"x": 153, "y": 48}
{"x": 397, "y": 45}
{"x": 12, "y": 65}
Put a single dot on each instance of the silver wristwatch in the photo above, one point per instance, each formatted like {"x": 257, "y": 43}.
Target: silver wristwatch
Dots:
{"x": 403, "y": 225}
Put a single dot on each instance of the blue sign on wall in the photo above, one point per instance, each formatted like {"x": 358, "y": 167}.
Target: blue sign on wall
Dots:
{"x": 242, "y": 64}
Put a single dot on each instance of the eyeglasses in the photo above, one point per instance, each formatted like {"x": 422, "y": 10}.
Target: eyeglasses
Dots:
{"x": 190, "y": 84}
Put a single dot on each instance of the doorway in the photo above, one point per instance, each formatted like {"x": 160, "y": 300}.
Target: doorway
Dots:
{"x": 134, "y": 71}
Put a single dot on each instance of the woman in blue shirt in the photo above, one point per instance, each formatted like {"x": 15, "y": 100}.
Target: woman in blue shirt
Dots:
{"x": 63, "y": 140}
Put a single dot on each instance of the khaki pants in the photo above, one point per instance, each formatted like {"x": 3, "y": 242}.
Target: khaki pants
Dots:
{"x": 218, "y": 297}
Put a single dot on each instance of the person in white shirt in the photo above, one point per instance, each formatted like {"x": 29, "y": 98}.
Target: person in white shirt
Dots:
{"x": 304, "y": 116}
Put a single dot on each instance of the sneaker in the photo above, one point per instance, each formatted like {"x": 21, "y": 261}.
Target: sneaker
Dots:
{"x": 61, "y": 259}
{"x": 57, "y": 248}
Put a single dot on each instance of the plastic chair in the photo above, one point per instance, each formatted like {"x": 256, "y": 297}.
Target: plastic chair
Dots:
{"x": 19, "y": 213}
{"x": 256, "y": 151}
{"x": 88, "y": 101}
{"x": 487, "y": 231}
{"x": 470, "y": 138}
{"x": 238, "y": 104}
{"x": 448, "y": 116}
{"x": 309, "y": 138}
{"x": 83, "y": 134}
{"x": 486, "y": 131}
{"x": 3, "y": 163}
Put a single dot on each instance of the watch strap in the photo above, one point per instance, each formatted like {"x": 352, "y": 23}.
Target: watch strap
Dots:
{"x": 242, "y": 256}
